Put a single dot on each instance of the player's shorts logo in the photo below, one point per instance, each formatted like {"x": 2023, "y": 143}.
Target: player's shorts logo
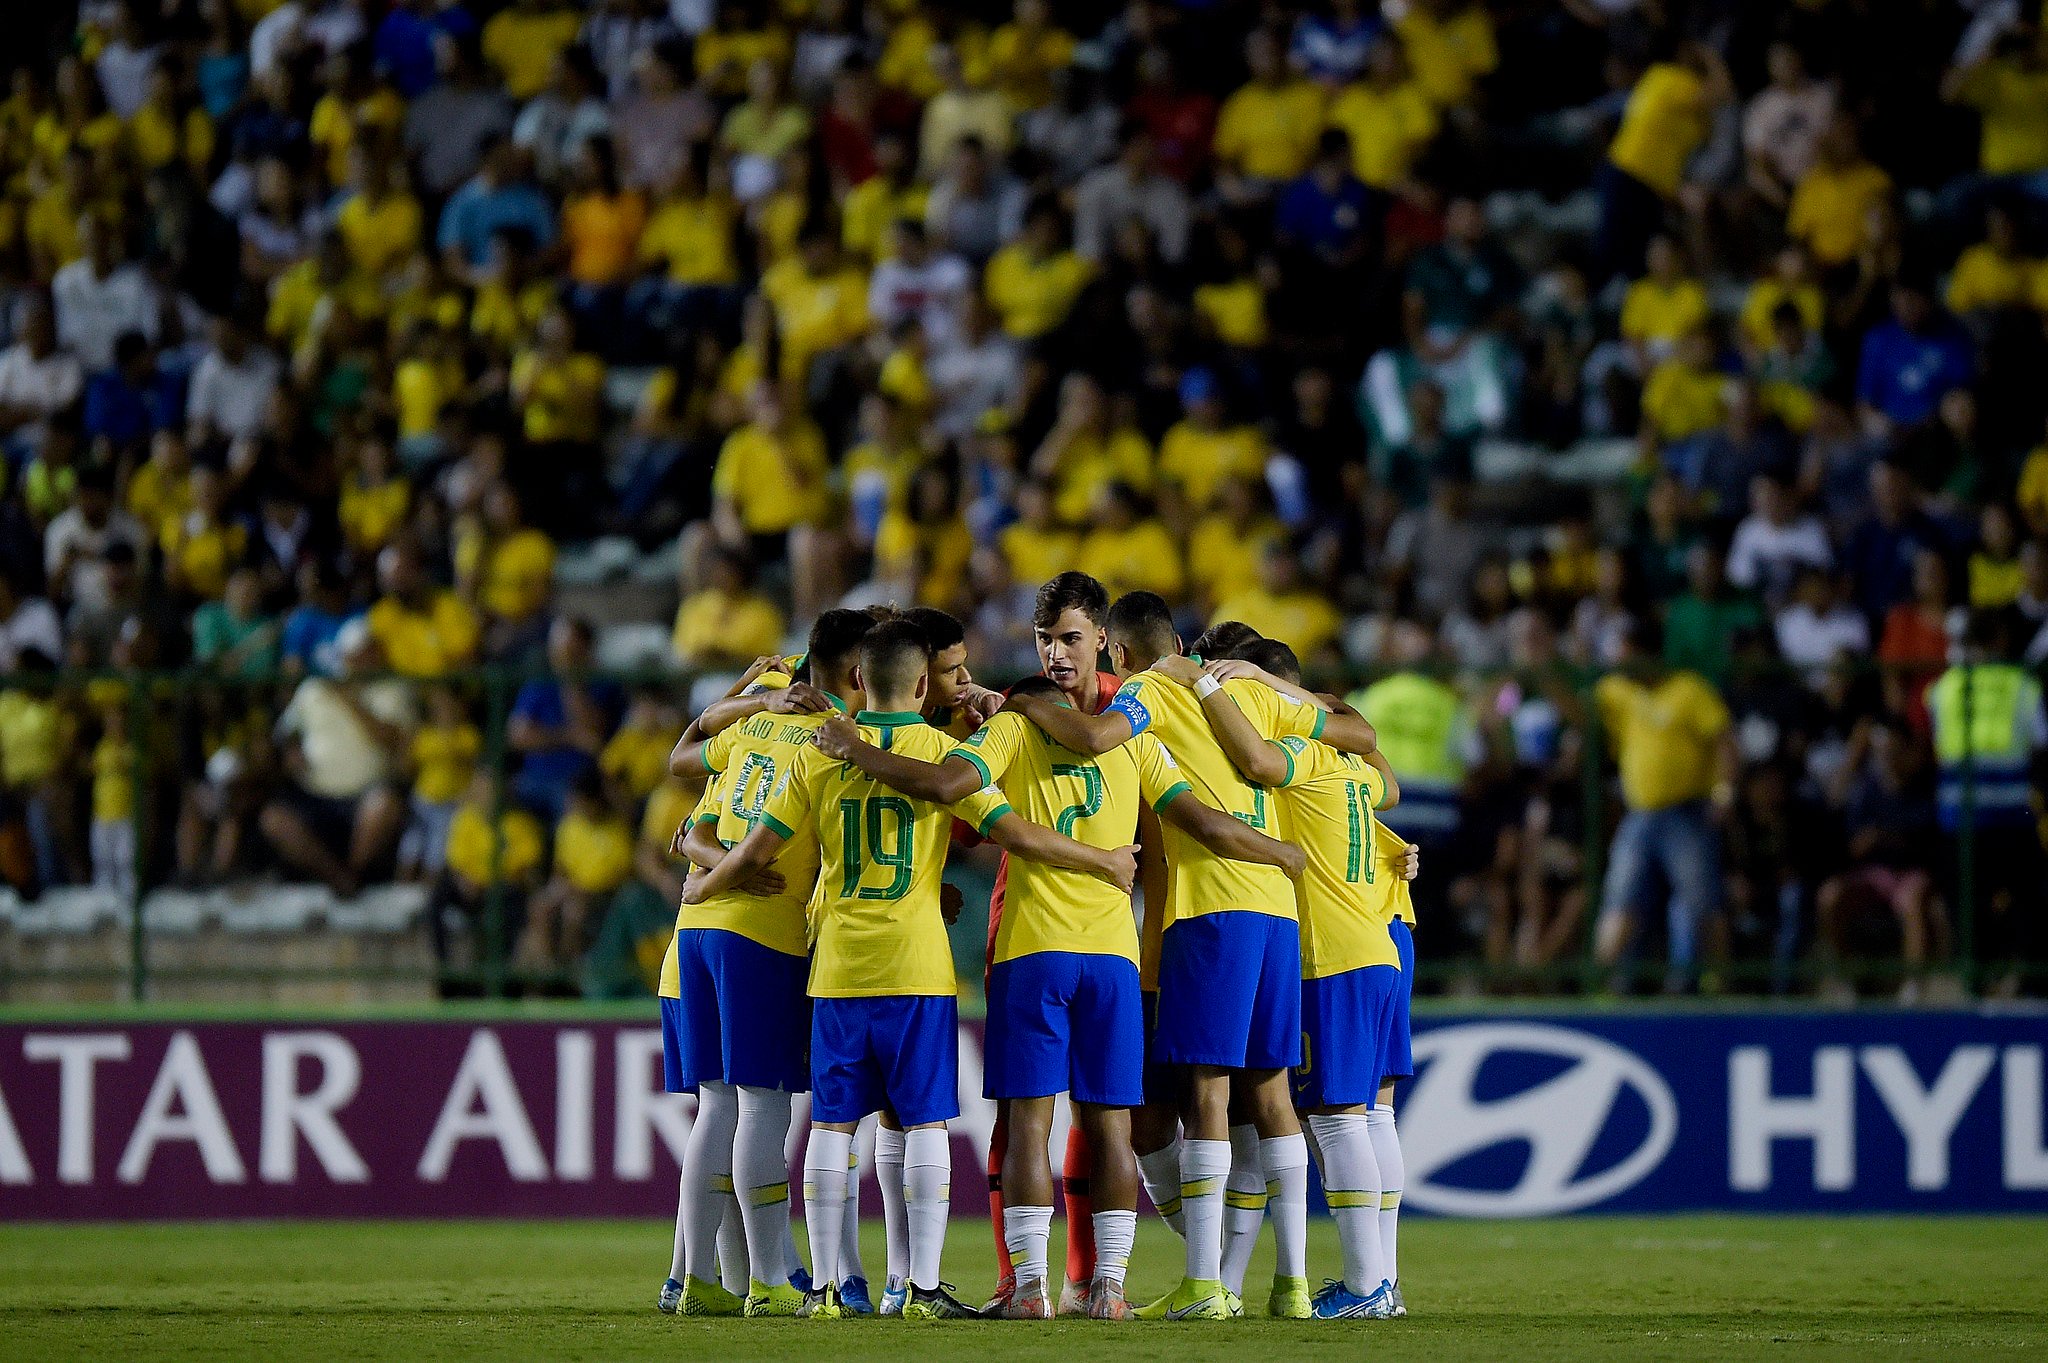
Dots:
{"x": 1524, "y": 1119}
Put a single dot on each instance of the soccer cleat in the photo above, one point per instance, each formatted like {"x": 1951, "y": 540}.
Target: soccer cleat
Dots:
{"x": 1400, "y": 1306}
{"x": 822, "y": 1304}
{"x": 1235, "y": 1303}
{"x": 1030, "y": 1301}
{"x": 1106, "y": 1302}
{"x": 1289, "y": 1300}
{"x": 853, "y": 1295}
{"x": 1337, "y": 1302}
{"x": 1006, "y": 1288}
{"x": 1193, "y": 1300}
{"x": 779, "y": 1300}
{"x": 937, "y": 1303}
{"x": 701, "y": 1298}
{"x": 894, "y": 1293}
{"x": 671, "y": 1296}
{"x": 801, "y": 1280}
{"x": 1073, "y": 1299}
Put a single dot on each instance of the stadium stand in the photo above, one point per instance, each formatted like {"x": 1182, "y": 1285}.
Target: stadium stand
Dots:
{"x": 379, "y": 378}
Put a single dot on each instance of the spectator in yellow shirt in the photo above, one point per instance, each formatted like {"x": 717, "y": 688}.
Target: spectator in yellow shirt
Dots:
{"x": 1389, "y": 118}
{"x": 1203, "y": 448}
{"x": 443, "y": 757}
{"x": 1286, "y": 608}
{"x": 356, "y": 112}
{"x": 1267, "y": 129}
{"x": 927, "y": 540}
{"x": 1831, "y": 208}
{"x": 729, "y": 621}
{"x": 1087, "y": 449}
{"x": 635, "y": 759}
{"x": 424, "y": 631}
{"x": 1034, "y": 281}
{"x": 2008, "y": 87}
{"x": 493, "y": 846}
{"x": 523, "y": 40}
{"x": 1790, "y": 281}
{"x": 1663, "y": 307}
{"x": 375, "y": 497}
{"x": 205, "y": 544}
{"x": 1450, "y": 46}
{"x": 1024, "y": 53}
{"x": 762, "y": 130}
{"x": 1129, "y": 548}
{"x": 170, "y": 127}
{"x": 1228, "y": 545}
{"x": 889, "y": 196}
{"x": 380, "y": 221}
{"x": 689, "y": 239}
{"x": 507, "y": 568}
{"x": 593, "y": 858}
{"x": 737, "y": 39}
{"x": 1992, "y": 274}
{"x": 558, "y": 388}
{"x": 1685, "y": 396}
{"x": 965, "y": 107}
{"x": 820, "y": 300}
{"x": 1036, "y": 547}
{"x": 1667, "y": 117}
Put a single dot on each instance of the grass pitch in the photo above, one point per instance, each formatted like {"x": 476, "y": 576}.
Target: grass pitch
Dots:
{"x": 1598, "y": 1288}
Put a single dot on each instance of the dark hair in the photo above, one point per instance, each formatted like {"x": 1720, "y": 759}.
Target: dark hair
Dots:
{"x": 940, "y": 630}
{"x": 1037, "y": 684}
{"x": 1224, "y": 639}
{"x": 835, "y": 639}
{"x": 1071, "y": 590}
{"x": 1276, "y": 657}
{"x": 1144, "y": 619}
{"x": 892, "y": 657}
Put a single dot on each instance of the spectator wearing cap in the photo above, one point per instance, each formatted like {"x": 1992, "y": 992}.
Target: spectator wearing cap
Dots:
{"x": 344, "y": 741}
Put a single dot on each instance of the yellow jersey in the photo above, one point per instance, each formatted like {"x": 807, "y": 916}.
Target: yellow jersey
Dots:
{"x": 749, "y": 758}
{"x": 1269, "y": 131}
{"x": 1092, "y": 800}
{"x": 875, "y": 923}
{"x": 1664, "y": 736}
{"x": 595, "y": 855}
{"x": 1663, "y": 123}
{"x": 1346, "y": 895}
{"x": 1200, "y": 881}
{"x": 444, "y": 759}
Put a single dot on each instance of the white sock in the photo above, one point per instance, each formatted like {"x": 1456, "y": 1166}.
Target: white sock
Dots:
{"x": 927, "y": 1197}
{"x": 850, "y": 1265}
{"x": 1244, "y": 1205}
{"x": 707, "y": 1176}
{"x": 1351, "y": 1185}
{"x": 1025, "y": 1231}
{"x": 895, "y": 1226}
{"x": 732, "y": 1248}
{"x": 1285, "y": 1162}
{"x": 1161, "y": 1172}
{"x": 679, "y": 1262}
{"x": 1386, "y": 1148}
{"x": 760, "y": 1174}
{"x": 1114, "y": 1232}
{"x": 825, "y": 1200}
{"x": 1204, "y": 1165}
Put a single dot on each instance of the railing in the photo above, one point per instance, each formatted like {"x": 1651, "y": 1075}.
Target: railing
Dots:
{"x": 205, "y": 763}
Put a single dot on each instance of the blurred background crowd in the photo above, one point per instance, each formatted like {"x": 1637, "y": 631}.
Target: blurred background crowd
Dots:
{"x": 1650, "y": 380}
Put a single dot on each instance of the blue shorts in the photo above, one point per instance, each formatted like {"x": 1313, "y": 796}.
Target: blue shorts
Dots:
{"x": 895, "y": 1052}
{"x": 1347, "y": 1024}
{"x": 1230, "y": 991}
{"x": 1065, "y": 1022}
{"x": 1165, "y": 1084}
{"x": 743, "y": 1016}
{"x": 1399, "y": 1062}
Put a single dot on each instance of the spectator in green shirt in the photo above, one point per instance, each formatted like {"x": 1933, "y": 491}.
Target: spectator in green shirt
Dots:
{"x": 1700, "y": 626}
{"x": 233, "y": 636}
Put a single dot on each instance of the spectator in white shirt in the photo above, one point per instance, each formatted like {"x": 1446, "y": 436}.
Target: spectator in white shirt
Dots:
{"x": 918, "y": 282}
{"x": 75, "y": 545}
{"x": 125, "y": 64}
{"x": 36, "y": 378}
{"x": 99, "y": 296}
{"x": 28, "y": 625}
{"x": 232, "y": 387}
{"x": 1132, "y": 186}
{"x": 977, "y": 371}
{"x": 1820, "y": 625}
{"x": 1774, "y": 541}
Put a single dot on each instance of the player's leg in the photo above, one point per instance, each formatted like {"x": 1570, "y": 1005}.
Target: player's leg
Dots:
{"x": 1272, "y": 1049}
{"x": 1397, "y": 1063}
{"x": 1106, "y": 1077}
{"x": 824, "y": 1208}
{"x": 1027, "y": 1210}
{"x": 917, "y": 1044}
{"x": 1025, "y": 1068}
{"x": 761, "y": 1181}
{"x": 998, "y": 1151}
{"x": 1244, "y": 1194}
{"x": 1077, "y": 1185}
{"x": 1155, "y": 1123}
{"x": 853, "y": 1277}
{"x": 694, "y": 1061}
{"x": 1346, "y": 1023}
{"x": 846, "y": 1085}
{"x": 895, "y": 1221}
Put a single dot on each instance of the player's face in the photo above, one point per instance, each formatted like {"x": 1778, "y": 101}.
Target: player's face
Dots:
{"x": 948, "y": 675}
{"x": 1067, "y": 650}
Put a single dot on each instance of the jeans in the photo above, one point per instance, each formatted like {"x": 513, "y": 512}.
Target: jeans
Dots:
{"x": 1676, "y": 849}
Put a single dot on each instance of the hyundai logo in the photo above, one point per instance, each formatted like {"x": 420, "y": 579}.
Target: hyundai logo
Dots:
{"x": 1590, "y": 1129}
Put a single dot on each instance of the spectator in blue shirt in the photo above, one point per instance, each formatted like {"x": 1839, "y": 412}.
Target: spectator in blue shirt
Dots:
{"x": 129, "y": 403}
{"x": 405, "y": 41}
{"x": 1911, "y": 361}
{"x": 1881, "y": 549}
{"x": 1329, "y": 213}
{"x": 497, "y": 198}
{"x": 560, "y": 724}
{"x": 313, "y": 625}
{"x": 1332, "y": 47}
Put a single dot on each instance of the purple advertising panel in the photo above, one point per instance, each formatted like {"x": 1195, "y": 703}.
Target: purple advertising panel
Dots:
{"x": 369, "y": 1119}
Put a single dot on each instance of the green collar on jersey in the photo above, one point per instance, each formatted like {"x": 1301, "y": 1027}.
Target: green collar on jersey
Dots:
{"x": 837, "y": 703}
{"x": 884, "y": 719}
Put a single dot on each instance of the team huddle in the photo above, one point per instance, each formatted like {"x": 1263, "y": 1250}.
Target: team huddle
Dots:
{"x": 1256, "y": 1016}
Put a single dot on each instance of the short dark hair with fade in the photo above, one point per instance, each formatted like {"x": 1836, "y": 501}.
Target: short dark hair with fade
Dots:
{"x": 1143, "y": 618}
{"x": 1223, "y": 639}
{"x": 1071, "y": 590}
{"x": 1276, "y": 657}
{"x": 941, "y": 631}
{"x": 835, "y": 638}
{"x": 892, "y": 657}
{"x": 1037, "y": 684}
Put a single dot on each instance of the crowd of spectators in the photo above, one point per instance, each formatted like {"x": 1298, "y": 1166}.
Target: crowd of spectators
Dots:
{"x": 329, "y": 328}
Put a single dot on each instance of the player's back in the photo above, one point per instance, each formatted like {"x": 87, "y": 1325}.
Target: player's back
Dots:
{"x": 745, "y": 762}
{"x": 1348, "y": 892}
{"x": 875, "y": 923}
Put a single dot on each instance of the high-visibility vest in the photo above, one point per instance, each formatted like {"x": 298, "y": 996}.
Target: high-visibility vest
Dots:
{"x": 1421, "y": 724}
{"x": 1986, "y": 718}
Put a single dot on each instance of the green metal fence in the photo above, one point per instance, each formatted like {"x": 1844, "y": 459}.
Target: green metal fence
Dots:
{"x": 205, "y": 759}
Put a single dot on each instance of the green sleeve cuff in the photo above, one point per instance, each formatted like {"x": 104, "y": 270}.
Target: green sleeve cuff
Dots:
{"x": 1288, "y": 753}
{"x": 778, "y": 827}
{"x": 704, "y": 759}
{"x": 988, "y": 820}
{"x": 703, "y": 819}
{"x": 1172, "y": 793}
{"x": 1322, "y": 718}
{"x": 969, "y": 755}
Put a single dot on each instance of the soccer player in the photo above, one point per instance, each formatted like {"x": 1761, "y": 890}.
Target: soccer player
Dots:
{"x": 884, "y": 1027}
{"x": 954, "y": 704}
{"x": 1229, "y": 956}
{"x": 1064, "y": 1011}
{"x": 736, "y": 1022}
{"x": 1351, "y": 971}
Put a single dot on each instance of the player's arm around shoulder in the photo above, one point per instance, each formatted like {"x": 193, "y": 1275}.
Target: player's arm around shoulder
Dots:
{"x": 747, "y": 859}
{"x": 995, "y": 820}
{"x": 942, "y": 782}
{"x": 1229, "y": 837}
{"x": 1255, "y": 758}
{"x": 1089, "y": 735}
